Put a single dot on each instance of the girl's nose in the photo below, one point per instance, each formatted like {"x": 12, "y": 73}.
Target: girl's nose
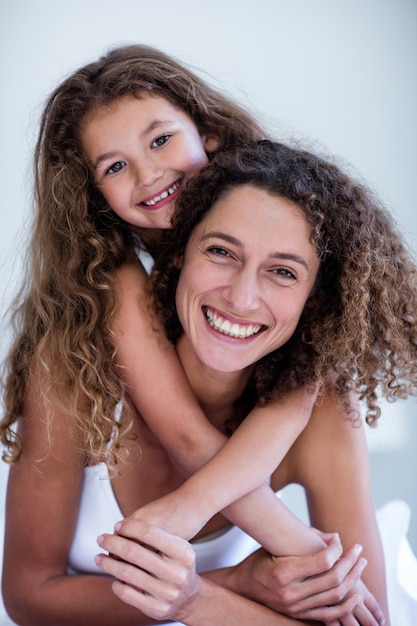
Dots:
{"x": 147, "y": 173}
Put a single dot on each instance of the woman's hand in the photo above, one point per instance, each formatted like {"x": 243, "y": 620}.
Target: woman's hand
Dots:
{"x": 156, "y": 575}
{"x": 325, "y": 587}
{"x": 366, "y": 613}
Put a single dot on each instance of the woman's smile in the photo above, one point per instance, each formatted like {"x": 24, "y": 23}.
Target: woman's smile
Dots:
{"x": 231, "y": 329}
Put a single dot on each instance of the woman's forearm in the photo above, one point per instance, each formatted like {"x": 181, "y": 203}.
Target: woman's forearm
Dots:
{"x": 216, "y": 605}
{"x": 79, "y": 600}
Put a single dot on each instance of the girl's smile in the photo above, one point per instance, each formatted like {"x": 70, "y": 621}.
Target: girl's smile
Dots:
{"x": 242, "y": 289}
{"x": 141, "y": 151}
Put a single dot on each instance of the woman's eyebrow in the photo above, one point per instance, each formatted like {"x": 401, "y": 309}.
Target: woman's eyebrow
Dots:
{"x": 224, "y": 236}
{"x": 288, "y": 256}
{"x": 282, "y": 256}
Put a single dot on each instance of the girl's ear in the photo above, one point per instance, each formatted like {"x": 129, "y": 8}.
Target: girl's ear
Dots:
{"x": 211, "y": 142}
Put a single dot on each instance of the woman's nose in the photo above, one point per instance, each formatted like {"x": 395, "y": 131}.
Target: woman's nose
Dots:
{"x": 242, "y": 293}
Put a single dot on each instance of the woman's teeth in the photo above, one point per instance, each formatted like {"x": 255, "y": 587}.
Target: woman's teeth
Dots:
{"x": 163, "y": 195}
{"x": 225, "y": 327}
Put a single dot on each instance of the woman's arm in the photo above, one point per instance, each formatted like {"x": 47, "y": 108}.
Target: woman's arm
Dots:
{"x": 174, "y": 415}
{"x": 43, "y": 496}
{"x": 330, "y": 460}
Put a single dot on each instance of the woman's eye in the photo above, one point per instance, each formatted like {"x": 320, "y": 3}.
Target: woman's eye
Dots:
{"x": 218, "y": 251}
{"x": 116, "y": 167}
{"x": 284, "y": 273}
{"x": 160, "y": 141}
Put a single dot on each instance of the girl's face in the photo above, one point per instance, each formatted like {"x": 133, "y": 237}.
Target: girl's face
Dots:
{"x": 141, "y": 152}
{"x": 247, "y": 272}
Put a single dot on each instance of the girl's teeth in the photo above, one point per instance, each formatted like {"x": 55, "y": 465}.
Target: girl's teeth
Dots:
{"x": 163, "y": 195}
{"x": 225, "y": 327}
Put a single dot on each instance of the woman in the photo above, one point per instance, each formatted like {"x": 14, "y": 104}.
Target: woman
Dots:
{"x": 245, "y": 238}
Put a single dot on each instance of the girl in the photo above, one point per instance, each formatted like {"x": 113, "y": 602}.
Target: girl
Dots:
{"x": 73, "y": 345}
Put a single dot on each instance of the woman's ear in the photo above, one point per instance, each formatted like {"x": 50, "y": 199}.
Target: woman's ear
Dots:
{"x": 178, "y": 261}
{"x": 211, "y": 142}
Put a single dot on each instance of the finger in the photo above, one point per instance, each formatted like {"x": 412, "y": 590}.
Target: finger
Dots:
{"x": 331, "y": 587}
{"x": 332, "y": 615}
{"x": 153, "y": 607}
{"x": 350, "y": 620}
{"x": 373, "y": 606}
{"x": 156, "y": 538}
{"x": 366, "y": 617}
{"x": 129, "y": 574}
{"x": 337, "y": 585}
{"x": 313, "y": 565}
{"x": 160, "y": 566}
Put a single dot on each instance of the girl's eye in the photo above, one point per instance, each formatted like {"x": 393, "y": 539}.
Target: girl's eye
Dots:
{"x": 160, "y": 141}
{"x": 116, "y": 167}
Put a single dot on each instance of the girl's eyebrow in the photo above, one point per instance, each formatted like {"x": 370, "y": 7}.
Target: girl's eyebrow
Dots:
{"x": 113, "y": 154}
{"x": 282, "y": 256}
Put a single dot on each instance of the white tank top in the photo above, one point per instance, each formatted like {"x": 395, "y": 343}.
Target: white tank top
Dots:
{"x": 99, "y": 511}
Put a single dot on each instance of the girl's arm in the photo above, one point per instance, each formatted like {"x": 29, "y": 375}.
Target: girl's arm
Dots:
{"x": 172, "y": 412}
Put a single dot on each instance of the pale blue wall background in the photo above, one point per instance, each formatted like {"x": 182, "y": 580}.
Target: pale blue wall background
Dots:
{"x": 343, "y": 74}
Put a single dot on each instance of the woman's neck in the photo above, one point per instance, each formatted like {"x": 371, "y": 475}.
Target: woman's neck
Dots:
{"x": 215, "y": 391}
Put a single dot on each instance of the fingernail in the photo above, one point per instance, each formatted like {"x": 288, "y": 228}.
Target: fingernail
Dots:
{"x": 117, "y": 526}
{"x": 364, "y": 563}
{"x": 97, "y": 559}
{"x": 100, "y": 539}
{"x": 358, "y": 549}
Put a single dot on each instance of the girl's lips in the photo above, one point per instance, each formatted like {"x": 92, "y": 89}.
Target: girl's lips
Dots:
{"x": 158, "y": 200}
{"x": 231, "y": 329}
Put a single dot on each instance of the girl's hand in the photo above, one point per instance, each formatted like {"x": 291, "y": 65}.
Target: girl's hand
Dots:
{"x": 173, "y": 513}
{"x": 323, "y": 587}
{"x": 154, "y": 570}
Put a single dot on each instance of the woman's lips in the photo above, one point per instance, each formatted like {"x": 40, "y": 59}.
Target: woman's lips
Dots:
{"x": 231, "y": 329}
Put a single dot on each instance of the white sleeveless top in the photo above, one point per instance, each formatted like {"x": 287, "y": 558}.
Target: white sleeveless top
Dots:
{"x": 99, "y": 511}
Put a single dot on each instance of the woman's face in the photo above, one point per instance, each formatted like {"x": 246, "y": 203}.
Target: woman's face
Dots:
{"x": 141, "y": 152}
{"x": 247, "y": 272}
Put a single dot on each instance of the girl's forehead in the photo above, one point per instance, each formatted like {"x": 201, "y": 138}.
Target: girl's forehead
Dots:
{"x": 142, "y": 98}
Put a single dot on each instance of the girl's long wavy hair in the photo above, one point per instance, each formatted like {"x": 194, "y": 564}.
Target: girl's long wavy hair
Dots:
{"x": 359, "y": 327}
{"x": 64, "y": 311}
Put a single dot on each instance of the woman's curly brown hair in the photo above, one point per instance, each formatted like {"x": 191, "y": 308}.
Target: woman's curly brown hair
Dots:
{"x": 64, "y": 312}
{"x": 359, "y": 325}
